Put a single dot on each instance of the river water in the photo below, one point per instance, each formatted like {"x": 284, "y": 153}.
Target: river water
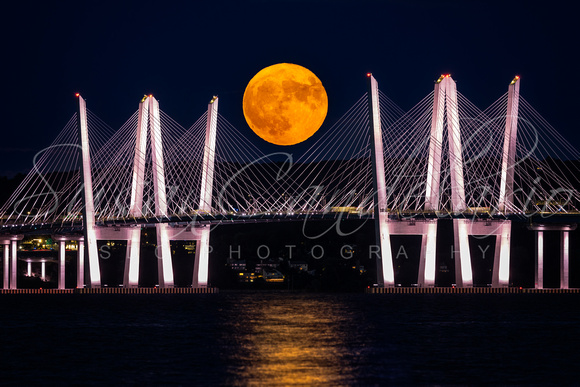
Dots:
{"x": 269, "y": 338}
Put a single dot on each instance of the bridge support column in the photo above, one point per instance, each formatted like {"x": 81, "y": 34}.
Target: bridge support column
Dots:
{"x": 6, "y": 281}
{"x": 539, "y": 263}
{"x": 564, "y": 229}
{"x": 61, "y": 263}
{"x": 463, "y": 271}
{"x": 501, "y": 260}
{"x": 131, "y": 273}
{"x": 14, "y": 264}
{"x": 427, "y": 260}
{"x": 201, "y": 264}
{"x": 564, "y": 260}
{"x": 163, "y": 253}
{"x": 80, "y": 264}
{"x": 43, "y": 270}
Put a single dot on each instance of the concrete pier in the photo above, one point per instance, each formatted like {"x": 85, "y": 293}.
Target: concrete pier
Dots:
{"x": 564, "y": 230}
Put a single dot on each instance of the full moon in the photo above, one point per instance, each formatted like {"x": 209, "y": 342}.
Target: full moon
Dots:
{"x": 285, "y": 104}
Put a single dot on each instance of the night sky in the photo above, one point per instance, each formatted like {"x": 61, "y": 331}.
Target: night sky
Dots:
{"x": 183, "y": 54}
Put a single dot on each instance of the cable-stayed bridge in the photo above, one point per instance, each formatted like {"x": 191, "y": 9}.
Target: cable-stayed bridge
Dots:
{"x": 444, "y": 158}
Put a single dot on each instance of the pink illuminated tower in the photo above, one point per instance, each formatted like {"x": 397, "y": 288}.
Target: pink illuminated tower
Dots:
{"x": 89, "y": 226}
{"x": 386, "y": 276}
{"x": 201, "y": 265}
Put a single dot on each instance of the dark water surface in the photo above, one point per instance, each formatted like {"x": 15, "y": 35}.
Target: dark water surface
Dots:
{"x": 285, "y": 338}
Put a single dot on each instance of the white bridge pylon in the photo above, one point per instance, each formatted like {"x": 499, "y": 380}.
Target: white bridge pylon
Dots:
{"x": 149, "y": 124}
{"x": 445, "y": 116}
{"x": 445, "y": 106}
{"x": 386, "y": 227}
{"x": 385, "y": 270}
{"x": 89, "y": 225}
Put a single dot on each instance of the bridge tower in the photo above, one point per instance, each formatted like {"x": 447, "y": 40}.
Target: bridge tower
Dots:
{"x": 385, "y": 271}
{"x": 148, "y": 122}
{"x": 131, "y": 273}
{"x": 445, "y": 109}
{"x": 501, "y": 261}
{"x": 201, "y": 264}
{"x": 506, "y": 193}
{"x": 89, "y": 227}
{"x": 445, "y": 106}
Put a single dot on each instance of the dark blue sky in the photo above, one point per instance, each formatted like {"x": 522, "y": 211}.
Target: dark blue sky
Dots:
{"x": 186, "y": 52}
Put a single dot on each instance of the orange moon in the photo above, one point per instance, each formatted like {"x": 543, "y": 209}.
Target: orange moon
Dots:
{"x": 285, "y": 104}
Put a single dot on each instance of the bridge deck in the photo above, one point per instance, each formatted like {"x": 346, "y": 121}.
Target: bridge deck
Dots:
{"x": 569, "y": 217}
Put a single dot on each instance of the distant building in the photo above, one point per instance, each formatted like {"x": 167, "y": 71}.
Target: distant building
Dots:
{"x": 248, "y": 277}
{"x": 298, "y": 265}
{"x": 237, "y": 264}
{"x": 267, "y": 264}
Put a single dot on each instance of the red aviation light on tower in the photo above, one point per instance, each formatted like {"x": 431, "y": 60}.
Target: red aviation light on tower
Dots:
{"x": 442, "y": 77}
{"x": 369, "y": 74}
{"x": 77, "y": 95}
{"x": 517, "y": 77}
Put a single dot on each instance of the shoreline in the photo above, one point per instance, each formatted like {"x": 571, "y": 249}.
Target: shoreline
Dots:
{"x": 210, "y": 290}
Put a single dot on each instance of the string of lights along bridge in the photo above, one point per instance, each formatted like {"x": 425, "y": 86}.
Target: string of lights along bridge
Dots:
{"x": 444, "y": 158}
